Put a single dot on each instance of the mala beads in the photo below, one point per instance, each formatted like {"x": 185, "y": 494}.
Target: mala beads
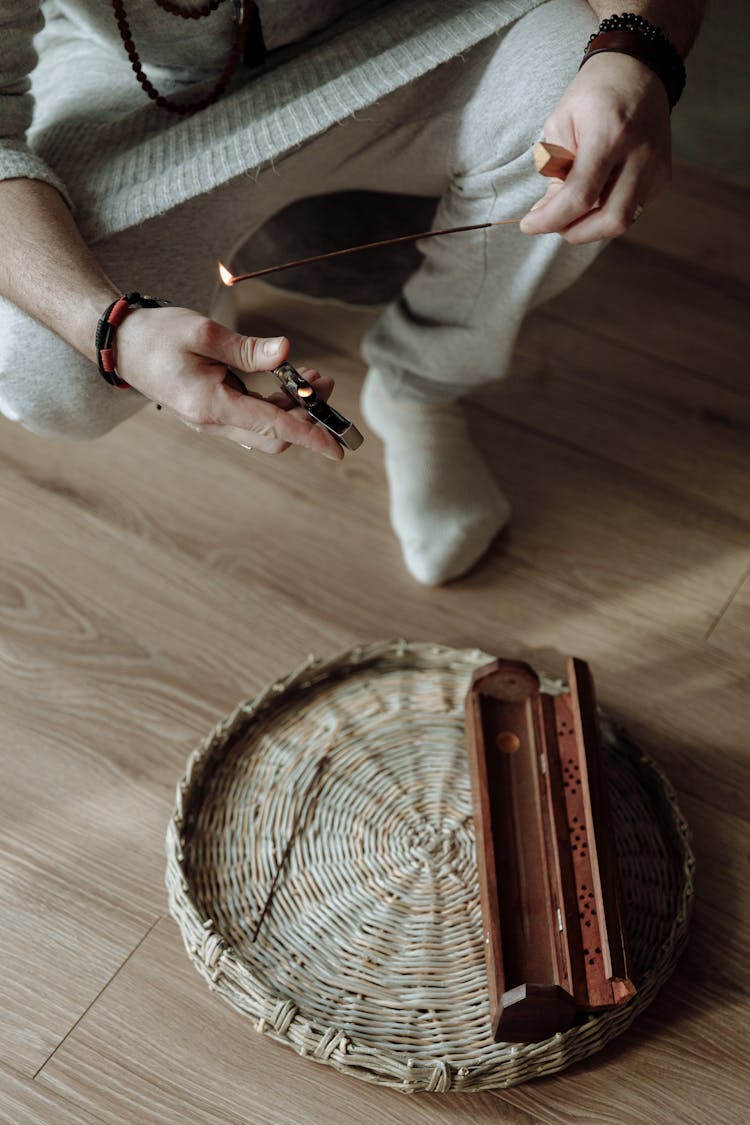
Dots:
{"x": 248, "y": 16}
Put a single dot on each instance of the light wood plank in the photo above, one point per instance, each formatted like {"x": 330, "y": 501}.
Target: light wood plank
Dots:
{"x": 23, "y": 1102}
{"x": 701, "y": 218}
{"x": 674, "y": 313}
{"x": 718, "y": 954}
{"x": 63, "y": 935}
{"x": 99, "y": 699}
{"x": 157, "y": 1018}
{"x": 668, "y": 427}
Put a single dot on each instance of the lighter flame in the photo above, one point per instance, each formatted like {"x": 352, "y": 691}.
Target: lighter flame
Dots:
{"x": 304, "y": 392}
{"x": 225, "y": 275}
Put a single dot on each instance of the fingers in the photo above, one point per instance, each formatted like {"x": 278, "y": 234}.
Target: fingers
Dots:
{"x": 565, "y": 202}
{"x": 323, "y": 384}
{"x": 630, "y": 186}
{"x": 244, "y": 353}
{"x": 616, "y": 215}
{"x": 272, "y": 430}
{"x": 274, "y": 423}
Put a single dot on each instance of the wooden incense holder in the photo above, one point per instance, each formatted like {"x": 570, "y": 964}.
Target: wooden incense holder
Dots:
{"x": 553, "y": 933}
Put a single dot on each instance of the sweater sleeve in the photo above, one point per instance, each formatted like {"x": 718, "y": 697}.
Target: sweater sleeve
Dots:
{"x": 20, "y": 21}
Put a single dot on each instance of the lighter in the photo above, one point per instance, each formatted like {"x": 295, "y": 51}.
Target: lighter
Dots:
{"x": 304, "y": 394}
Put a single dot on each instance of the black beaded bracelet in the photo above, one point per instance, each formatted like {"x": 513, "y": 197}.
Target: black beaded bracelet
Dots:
{"x": 631, "y": 34}
{"x": 110, "y": 320}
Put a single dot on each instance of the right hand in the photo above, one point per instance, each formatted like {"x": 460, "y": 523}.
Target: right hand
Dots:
{"x": 178, "y": 358}
{"x": 614, "y": 117}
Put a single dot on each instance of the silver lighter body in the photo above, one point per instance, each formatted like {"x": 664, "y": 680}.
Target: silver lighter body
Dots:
{"x": 304, "y": 394}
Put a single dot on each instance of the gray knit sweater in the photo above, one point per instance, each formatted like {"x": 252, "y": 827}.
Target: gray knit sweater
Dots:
{"x": 72, "y": 113}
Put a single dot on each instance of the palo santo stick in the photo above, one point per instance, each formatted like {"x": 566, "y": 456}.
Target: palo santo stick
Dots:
{"x": 552, "y": 160}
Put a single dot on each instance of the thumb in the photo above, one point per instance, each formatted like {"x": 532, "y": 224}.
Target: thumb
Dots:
{"x": 249, "y": 353}
{"x": 528, "y": 224}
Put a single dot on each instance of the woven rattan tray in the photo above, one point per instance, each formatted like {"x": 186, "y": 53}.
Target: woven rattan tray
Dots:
{"x": 370, "y": 955}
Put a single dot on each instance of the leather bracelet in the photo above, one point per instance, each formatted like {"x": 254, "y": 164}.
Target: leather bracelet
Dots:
{"x": 109, "y": 322}
{"x": 630, "y": 34}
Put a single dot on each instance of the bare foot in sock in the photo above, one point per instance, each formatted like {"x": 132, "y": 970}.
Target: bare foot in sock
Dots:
{"x": 445, "y": 506}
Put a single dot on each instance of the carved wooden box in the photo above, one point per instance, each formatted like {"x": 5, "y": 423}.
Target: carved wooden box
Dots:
{"x": 553, "y": 931}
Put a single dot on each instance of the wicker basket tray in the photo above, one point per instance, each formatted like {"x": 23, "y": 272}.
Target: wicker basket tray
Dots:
{"x": 369, "y": 957}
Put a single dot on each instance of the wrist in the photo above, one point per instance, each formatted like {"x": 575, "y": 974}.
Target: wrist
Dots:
{"x": 679, "y": 20}
{"x": 105, "y": 343}
{"x": 82, "y": 334}
{"x": 631, "y": 34}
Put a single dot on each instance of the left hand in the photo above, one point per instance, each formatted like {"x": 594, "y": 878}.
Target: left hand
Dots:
{"x": 193, "y": 366}
{"x": 614, "y": 117}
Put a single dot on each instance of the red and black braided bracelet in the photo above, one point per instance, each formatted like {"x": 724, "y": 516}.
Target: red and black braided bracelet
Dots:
{"x": 109, "y": 322}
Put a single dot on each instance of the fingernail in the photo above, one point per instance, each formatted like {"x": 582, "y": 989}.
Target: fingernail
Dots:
{"x": 271, "y": 347}
{"x": 538, "y": 203}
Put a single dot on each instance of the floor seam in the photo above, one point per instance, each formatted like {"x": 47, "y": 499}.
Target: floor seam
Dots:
{"x": 727, "y": 605}
{"x": 89, "y": 1006}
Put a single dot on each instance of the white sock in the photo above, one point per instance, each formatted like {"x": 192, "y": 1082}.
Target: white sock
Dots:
{"x": 445, "y": 506}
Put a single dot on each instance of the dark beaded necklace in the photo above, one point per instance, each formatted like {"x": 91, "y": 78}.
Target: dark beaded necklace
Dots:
{"x": 248, "y": 16}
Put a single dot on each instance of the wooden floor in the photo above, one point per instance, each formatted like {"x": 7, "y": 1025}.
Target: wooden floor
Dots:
{"x": 151, "y": 580}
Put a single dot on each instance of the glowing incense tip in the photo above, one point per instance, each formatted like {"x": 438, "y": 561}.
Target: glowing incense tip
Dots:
{"x": 225, "y": 275}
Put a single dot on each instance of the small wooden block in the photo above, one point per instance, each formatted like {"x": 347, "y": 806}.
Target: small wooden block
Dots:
{"x": 552, "y": 160}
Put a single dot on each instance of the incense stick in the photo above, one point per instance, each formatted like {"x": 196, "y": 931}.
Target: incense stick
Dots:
{"x": 550, "y": 160}
{"x": 230, "y": 279}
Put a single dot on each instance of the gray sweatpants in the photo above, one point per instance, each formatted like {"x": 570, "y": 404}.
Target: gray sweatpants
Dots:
{"x": 462, "y": 134}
